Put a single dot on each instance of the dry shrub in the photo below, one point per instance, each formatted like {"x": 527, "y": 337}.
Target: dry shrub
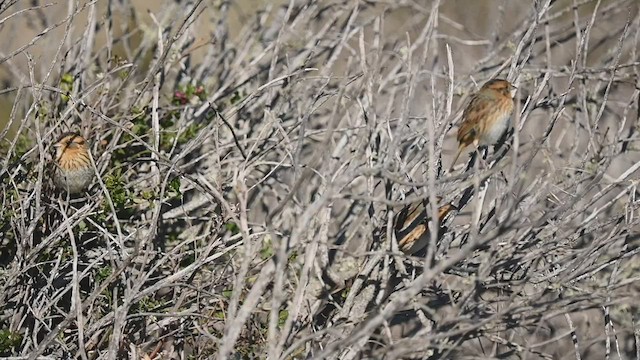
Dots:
{"x": 251, "y": 160}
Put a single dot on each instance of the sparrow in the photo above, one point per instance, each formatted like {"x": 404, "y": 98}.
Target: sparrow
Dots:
{"x": 487, "y": 116}
{"x": 72, "y": 171}
{"x": 411, "y": 225}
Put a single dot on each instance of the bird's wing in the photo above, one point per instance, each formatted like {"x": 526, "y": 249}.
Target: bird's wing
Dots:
{"x": 471, "y": 121}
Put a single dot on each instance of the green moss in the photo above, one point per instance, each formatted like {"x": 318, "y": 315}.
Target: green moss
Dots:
{"x": 227, "y": 294}
{"x": 174, "y": 185}
{"x": 115, "y": 184}
{"x": 282, "y": 317}
{"x": 24, "y": 142}
{"x": 66, "y": 85}
{"x": 147, "y": 304}
{"x": 232, "y": 227}
{"x": 103, "y": 273}
{"x": 237, "y": 97}
{"x": 267, "y": 249}
{"x": 9, "y": 340}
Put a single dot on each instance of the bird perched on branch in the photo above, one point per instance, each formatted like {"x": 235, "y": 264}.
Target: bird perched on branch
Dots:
{"x": 487, "y": 116}
{"x": 72, "y": 171}
{"x": 411, "y": 225}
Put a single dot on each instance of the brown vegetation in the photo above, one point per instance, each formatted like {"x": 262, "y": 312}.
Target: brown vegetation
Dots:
{"x": 251, "y": 161}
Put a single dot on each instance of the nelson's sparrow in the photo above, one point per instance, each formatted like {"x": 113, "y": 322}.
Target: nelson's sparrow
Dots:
{"x": 487, "y": 116}
{"x": 411, "y": 226}
{"x": 72, "y": 166}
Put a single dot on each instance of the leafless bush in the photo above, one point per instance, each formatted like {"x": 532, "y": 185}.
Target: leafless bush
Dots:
{"x": 251, "y": 163}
